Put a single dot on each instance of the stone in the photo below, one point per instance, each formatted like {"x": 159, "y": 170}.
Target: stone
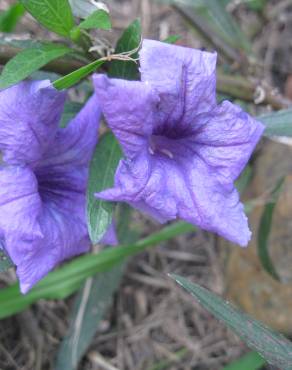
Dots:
{"x": 248, "y": 285}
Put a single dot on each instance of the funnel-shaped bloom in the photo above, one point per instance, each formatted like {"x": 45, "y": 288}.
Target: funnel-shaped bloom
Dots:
{"x": 43, "y": 178}
{"x": 183, "y": 151}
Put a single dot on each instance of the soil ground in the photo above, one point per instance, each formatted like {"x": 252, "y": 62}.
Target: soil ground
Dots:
{"x": 151, "y": 318}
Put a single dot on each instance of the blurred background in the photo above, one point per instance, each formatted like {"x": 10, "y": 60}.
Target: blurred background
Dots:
{"x": 150, "y": 323}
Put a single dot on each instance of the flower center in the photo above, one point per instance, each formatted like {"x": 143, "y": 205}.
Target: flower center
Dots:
{"x": 162, "y": 145}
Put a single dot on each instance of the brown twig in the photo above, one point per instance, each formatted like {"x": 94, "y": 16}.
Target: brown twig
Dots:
{"x": 236, "y": 86}
{"x": 241, "y": 88}
{"x": 61, "y": 65}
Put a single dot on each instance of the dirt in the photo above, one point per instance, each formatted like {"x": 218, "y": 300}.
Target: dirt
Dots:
{"x": 151, "y": 318}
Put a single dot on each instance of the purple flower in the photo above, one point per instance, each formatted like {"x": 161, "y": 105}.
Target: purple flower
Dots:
{"x": 43, "y": 178}
{"x": 183, "y": 151}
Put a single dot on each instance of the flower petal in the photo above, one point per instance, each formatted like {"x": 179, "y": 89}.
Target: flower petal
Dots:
{"x": 128, "y": 107}
{"x": 225, "y": 139}
{"x": 184, "y": 78}
{"x": 20, "y": 203}
{"x": 183, "y": 187}
{"x": 74, "y": 145}
{"x": 110, "y": 236}
{"x": 29, "y": 118}
{"x": 65, "y": 236}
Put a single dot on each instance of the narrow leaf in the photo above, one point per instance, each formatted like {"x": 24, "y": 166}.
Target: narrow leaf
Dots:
{"x": 265, "y": 229}
{"x": 55, "y": 15}
{"x": 62, "y": 282}
{"x": 172, "y": 39}
{"x": 218, "y": 19}
{"x": 278, "y": 123}
{"x": 273, "y": 347}
{"x": 30, "y": 60}
{"x": 101, "y": 176}
{"x": 90, "y": 307}
{"x": 92, "y": 303}
{"x": 100, "y": 19}
{"x": 250, "y": 361}
{"x": 5, "y": 261}
{"x": 130, "y": 40}
{"x": 76, "y": 76}
{"x": 10, "y": 17}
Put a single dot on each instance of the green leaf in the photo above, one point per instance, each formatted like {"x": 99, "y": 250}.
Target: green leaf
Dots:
{"x": 250, "y": 361}
{"x": 172, "y": 39}
{"x": 99, "y": 19}
{"x": 264, "y": 231}
{"x": 273, "y": 347}
{"x": 257, "y": 5}
{"x": 30, "y": 60}
{"x": 278, "y": 123}
{"x": 76, "y": 76}
{"x": 165, "y": 364}
{"x": 62, "y": 282}
{"x": 55, "y": 15}
{"x": 244, "y": 179}
{"x": 130, "y": 40}
{"x": 5, "y": 261}
{"x": 101, "y": 176}
{"x": 216, "y": 16}
{"x": 91, "y": 304}
{"x": 10, "y": 17}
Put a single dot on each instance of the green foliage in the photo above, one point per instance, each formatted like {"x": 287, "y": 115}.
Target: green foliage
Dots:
{"x": 278, "y": 123}
{"x": 265, "y": 229}
{"x": 99, "y": 19}
{"x": 273, "y": 347}
{"x": 62, "y": 282}
{"x": 130, "y": 40}
{"x": 92, "y": 303}
{"x": 10, "y": 17}
{"x": 76, "y": 76}
{"x": 55, "y": 15}
{"x": 244, "y": 179}
{"x": 90, "y": 306}
{"x": 5, "y": 262}
{"x": 29, "y": 60}
{"x": 250, "y": 361}
{"x": 101, "y": 176}
{"x": 218, "y": 19}
{"x": 257, "y": 5}
{"x": 172, "y": 39}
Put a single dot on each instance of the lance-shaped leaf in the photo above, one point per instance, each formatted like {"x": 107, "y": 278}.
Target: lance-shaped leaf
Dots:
{"x": 130, "y": 40}
{"x": 92, "y": 303}
{"x": 278, "y": 123}
{"x": 77, "y": 75}
{"x": 10, "y": 17}
{"x": 250, "y": 361}
{"x": 265, "y": 229}
{"x": 273, "y": 347}
{"x": 216, "y": 18}
{"x": 55, "y": 15}
{"x": 5, "y": 261}
{"x": 99, "y": 19}
{"x": 101, "y": 176}
{"x": 29, "y": 60}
